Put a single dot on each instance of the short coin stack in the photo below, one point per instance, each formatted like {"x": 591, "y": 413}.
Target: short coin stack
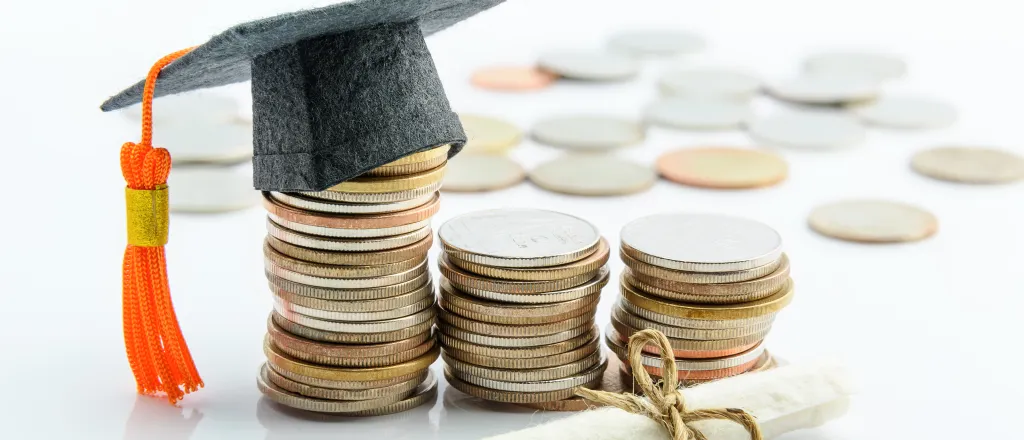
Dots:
{"x": 713, "y": 284}
{"x": 354, "y": 304}
{"x": 518, "y": 294}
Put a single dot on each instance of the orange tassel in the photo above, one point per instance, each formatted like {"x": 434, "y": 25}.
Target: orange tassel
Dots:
{"x": 156, "y": 349}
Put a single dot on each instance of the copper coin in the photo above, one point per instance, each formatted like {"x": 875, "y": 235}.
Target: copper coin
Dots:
{"x": 723, "y": 168}
{"x": 340, "y": 221}
{"x": 705, "y": 375}
{"x": 512, "y": 78}
{"x": 623, "y": 331}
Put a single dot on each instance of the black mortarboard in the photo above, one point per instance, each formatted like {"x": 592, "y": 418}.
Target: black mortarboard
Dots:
{"x": 336, "y": 91}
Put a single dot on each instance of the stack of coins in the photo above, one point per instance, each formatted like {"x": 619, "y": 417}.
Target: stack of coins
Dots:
{"x": 351, "y": 331}
{"x": 713, "y": 284}
{"x": 518, "y": 293}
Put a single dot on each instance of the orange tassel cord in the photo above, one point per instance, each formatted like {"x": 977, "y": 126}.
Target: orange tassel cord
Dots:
{"x": 157, "y": 352}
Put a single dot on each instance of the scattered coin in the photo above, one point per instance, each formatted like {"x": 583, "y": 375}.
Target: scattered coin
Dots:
{"x": 825, "y": 90}
{"x": 589, "y": 66}
{"x": 519, "y": 237}
{"x": 710, "y": 83}
{"x": 512, "y": 79}
{"x": 489, "y": 135}
{"x": 211, "y": 188}
{"x": 725, "y": 168}
{"x": 808, "y": 130}
{"x": 588, "y": 132}
{"x": 906, "y": 112}
{"x": 697, "y": 113}
{"x": 701, "y": 242}
{"x": 873, "y": 66}
{"x": 656, "y": 42}
{"x": 593, "y": 175}
{"x": 481, "y": 172}
{"x": 969, "y": 165}
{"x": 873, "y": 221}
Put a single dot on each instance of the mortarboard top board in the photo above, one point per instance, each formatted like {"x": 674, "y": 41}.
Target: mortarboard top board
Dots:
{"x": 336, "y": 91}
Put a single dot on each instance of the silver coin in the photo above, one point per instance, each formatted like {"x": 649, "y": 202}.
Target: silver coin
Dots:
{"x": 701, "y": 242}
{"x": 519, "y": 237}
{"x": 311, "y": 204}
{"x": 589, "y": 66}
{"x": 697, "y": 113}
{"x": 874, "y": 66}
{"x": 573, "y": 381}
{"x": 692, "y": 364}
{"x": 387, "y": 325}
{"x": 481, "y": 172}
{"x": 588, "y": 132}
{"x": 969, "y": 165}
{"x": 390, "y": 197}
{"x": 345, "y": 244}
{"x": 710, "y": 83}
{"x": 334, "y": 315}
{"x": 873, "y": 221}
{"x": 906, "y": 112}
{"x": 589, "y": 288}
{"x": 211, "y": 188}
{"x": 421, "y": 394}
{"x": 344, "y": 283}
{"x": 808, "y": 130}
{"x": 830, "y": 89}
{"x": 656, "y": 42}
{"x": 323, "y": 231}
{"x": 593, "y": 175}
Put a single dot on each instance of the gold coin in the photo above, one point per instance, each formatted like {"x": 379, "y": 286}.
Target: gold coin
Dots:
{"x": 726, "y": 292}
{"x": 337, "y": 271}
{"x": 591, "y": 347}
{"x": 289, "y": 363}
{"x": 292, "y": 343}
{"x": 651, "y": 270}
{"x": 513, "y": 396}
{"x": 714, "y": 324}
{"x": 366, "y": 385}
{"x": 284, "y": 287}
{"x": 420, "y": 157}
{"x": 511, "y": 331}
{"x": 969, "y": 165}
{"x": 385, "y": 405}
{"x": 489, "y": 135}
{"x": 771, "y": 304}
{"x": 538, "y": 374}
{"x": 501, "y": 313}
{"x": 300, "y": 388}
{"x": 873, "y": 221}
{"x": 760, "y": 330}
{"x": 351, "y": 338}
{"x": 416, "y": 250}
{"x": 390, "y": 184}
{"x": 589, "y": 264}
{"x": 451, "y": 344}
{"x": 724, "y": 168}
{"x": 460, "y": 277}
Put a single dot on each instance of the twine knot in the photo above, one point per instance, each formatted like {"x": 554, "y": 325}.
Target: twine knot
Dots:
{"x": 664, "y": 403}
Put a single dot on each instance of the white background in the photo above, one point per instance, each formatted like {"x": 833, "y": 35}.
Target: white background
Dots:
{"x": 930, "y": 328}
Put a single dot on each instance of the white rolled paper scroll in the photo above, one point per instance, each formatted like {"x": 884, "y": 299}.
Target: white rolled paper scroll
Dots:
{"x": 782, "y": 400}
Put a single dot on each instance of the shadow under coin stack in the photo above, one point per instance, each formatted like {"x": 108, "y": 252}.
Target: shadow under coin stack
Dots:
{"x": 713, "y": 284}
{"x": 518, "y": 293}
{"x": 354, "y": 305}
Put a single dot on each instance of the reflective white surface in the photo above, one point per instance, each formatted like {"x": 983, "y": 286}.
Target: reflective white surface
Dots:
{"x": 930, "y": 328}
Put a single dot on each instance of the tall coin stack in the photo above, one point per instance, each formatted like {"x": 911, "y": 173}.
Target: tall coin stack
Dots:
{"x": 518, "y": 293}
{"x": 351, "y": 331}
{"x": 713, "y": 284}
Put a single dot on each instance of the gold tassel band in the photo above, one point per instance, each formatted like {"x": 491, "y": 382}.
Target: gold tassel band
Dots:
{"x": 147, "y": 216}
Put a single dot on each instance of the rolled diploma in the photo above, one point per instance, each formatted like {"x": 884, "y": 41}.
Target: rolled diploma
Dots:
{"x": 782, "y": 400}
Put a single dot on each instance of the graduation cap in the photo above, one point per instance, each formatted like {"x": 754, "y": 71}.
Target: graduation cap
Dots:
{"x": 336, "y": 91}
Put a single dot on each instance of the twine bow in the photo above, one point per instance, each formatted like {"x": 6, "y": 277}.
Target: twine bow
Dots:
{"x": 664, "y": 403}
